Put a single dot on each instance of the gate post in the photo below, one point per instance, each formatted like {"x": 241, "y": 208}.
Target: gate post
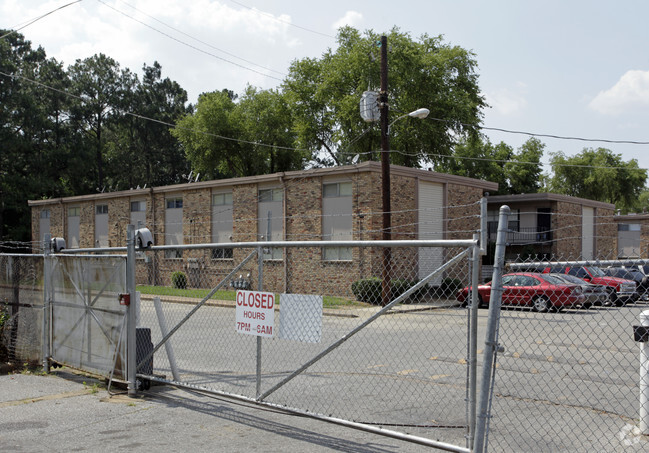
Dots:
{"x": 644, "y": 374}
{"x": 491, "y": 346}
{"x": 131, "y": 344}
{"x": 47, "y": 294}
{"x": 473, "y": 341}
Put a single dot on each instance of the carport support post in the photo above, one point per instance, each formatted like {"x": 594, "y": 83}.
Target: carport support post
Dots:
{"x": 260, "y": 286}
{"x": 491, "y": 338}
{"x": 131, "y": 321}
{"x": 644, "y": 378}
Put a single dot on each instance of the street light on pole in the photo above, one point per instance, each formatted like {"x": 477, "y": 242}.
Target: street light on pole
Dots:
{"x": 385, "y": 167}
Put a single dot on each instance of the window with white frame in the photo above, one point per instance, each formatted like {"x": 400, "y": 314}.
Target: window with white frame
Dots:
{"x": 222, "y": 223}
{"x": 270, "y": 209}
{"x": 74, "y": 221}
{"x": 174, "y": 225}
{"x": 337, "y": 219}
{"x": 101, "y": 225}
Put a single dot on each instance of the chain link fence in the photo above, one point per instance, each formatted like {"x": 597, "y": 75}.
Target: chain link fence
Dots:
{"x": 327, "y": 346}
{"x": 21, "y": 309}
{"x": 567, "y": 376}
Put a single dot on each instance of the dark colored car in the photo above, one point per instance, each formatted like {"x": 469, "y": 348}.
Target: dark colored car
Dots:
{"x": 641, "y": 280}
{"x": 620, "y": 290}
{"x": 542, "y": 292}
{"x": 593, "y": 294}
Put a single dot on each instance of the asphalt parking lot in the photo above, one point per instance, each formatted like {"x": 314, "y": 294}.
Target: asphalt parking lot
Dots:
{"x": 68, "y": 412}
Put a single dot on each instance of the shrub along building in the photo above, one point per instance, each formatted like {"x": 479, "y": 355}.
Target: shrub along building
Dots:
{"x": 340, "y": 203}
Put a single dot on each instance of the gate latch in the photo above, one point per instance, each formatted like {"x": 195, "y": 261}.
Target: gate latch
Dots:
{"x": 124, "y": 299}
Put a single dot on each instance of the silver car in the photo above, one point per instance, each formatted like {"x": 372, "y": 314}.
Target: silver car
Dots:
{"x": 593, "y": 294}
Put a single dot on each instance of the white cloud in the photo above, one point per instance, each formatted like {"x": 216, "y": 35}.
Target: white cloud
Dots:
{"x": 352, "y": 18}
{"x": 508, "y": 101}
{"x": 629, "y": 93}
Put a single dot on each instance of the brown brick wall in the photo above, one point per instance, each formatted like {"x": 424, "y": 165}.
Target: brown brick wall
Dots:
{"x": 606, "y": 234}
{"x": 566, "y": 225}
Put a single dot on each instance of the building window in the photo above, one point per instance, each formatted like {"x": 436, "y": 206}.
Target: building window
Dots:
{"x": 101, "y": 225}
{"x": 44, "y": 223}
{"x": 138, "y": 213}
{"x": 175, "y": 203}
{"x": 174, "y": 226}
{"x": 139, "y": 206}
{"x": 73, "y": 227}
{"x": 270, "y": 205}
{"x": 222, "y": 224}
{"x": 337, "y": 219}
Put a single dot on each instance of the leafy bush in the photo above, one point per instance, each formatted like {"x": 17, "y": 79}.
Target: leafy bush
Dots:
{"x": 369, "y": 289}
{"x": 179, "y": 280}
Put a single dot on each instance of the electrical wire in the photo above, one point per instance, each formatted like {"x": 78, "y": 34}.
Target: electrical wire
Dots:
{"x": 282, "y": 21}
{"x": 190, "y": 45}
{"x": 18, "y": 28}
{"x": 261, "y": 144}
{"x": 190, "y": 36}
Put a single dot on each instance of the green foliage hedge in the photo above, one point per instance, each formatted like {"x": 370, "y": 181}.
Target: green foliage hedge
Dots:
{"x": 179, "y": 280}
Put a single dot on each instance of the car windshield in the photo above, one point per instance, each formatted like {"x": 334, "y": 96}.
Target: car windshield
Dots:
{"x": 552, "y": 279}
{"x": 569, "y": 278}
{"x": 595, "y": 271}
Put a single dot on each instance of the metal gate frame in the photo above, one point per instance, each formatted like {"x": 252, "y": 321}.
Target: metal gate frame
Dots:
{"x": 471, "y": 250}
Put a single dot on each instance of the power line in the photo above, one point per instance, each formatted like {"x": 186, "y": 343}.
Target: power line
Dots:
{"x": 190, "y": 45}
{"x": 18, "y": 28}
{"x": 288, "y": 148}
{"x": 282, "y": 21}
{"x": 192, "y": 37}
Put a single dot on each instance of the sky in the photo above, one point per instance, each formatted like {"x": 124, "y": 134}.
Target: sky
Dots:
{"x": 576, "y": 68}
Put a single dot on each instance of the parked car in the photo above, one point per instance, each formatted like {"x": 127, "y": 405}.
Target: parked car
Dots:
{"x": 641, "y": 280}
{"x": 593, "y": 294}
{"x": 542, "y": 292}
{"x": 621, "y": 290}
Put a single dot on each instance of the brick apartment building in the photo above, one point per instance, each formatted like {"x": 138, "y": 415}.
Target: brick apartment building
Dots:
{"x": 340, "y": 203}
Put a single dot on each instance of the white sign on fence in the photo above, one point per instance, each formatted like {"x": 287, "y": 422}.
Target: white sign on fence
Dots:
{"x": 255, "y": 313}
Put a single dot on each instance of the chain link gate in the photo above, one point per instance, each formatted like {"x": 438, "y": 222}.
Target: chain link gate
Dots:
{"x": 86, "y": 321}
{"x": 566, "y": 377}
{"x": 333, "y": 352}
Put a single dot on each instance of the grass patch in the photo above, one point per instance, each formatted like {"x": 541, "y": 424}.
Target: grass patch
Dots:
{"x": 230, "y": 295}
{"x": 195, "y": 293}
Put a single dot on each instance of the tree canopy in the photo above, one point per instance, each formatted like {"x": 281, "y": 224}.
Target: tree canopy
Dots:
{"x": 324, "y": 96}
{"x": 598, "y": 174}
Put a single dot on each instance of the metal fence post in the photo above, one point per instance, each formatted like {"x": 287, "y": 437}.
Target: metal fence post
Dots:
{"x": 473, "y": 342}
{"x": 491, "y": 339}
{"x": 131, "y": 321}
{"x": 644, "y": 378}
{"x": 47, "y": 294}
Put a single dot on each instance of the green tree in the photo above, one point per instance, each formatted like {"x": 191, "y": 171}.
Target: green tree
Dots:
{"x": 141, "y": 150}
{"x": 250, "y": 137}
{"x": 33, "y": 135}
{"x": 524, "y": 171}
{"x": 476, "y": 157}
{"x": 102, "y": 88}
{"x": 598, "y": 174}
{"x": 324, "y": 95}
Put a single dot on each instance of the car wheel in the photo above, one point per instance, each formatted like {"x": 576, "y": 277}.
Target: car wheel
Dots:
{"x": 616, "y": 300}
{"x": 586, "y": 305}
{"x": 481, "y": 303}
{"x": 541, "y": 304}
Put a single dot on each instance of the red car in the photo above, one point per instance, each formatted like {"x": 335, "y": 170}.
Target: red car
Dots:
{"x": 542, "y": 292}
